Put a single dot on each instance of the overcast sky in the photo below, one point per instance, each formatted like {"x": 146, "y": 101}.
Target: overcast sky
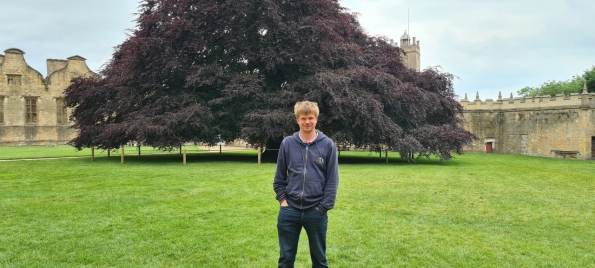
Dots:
{"x": 491, "y": 45}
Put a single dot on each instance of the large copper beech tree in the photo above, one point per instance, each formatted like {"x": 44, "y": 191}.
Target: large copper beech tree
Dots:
{"x": 194, "y": 69}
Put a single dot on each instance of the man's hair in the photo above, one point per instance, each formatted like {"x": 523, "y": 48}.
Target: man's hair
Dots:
{"x": 306, "y": 107}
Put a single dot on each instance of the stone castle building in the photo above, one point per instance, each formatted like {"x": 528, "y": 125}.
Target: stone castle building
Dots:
{"x": 32, "y": 108}
{"x": 561, "y": 126}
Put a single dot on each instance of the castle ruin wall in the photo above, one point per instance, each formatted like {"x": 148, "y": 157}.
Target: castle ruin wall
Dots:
{"x": 561, "y": 126}
{"x": 31, "y": 106}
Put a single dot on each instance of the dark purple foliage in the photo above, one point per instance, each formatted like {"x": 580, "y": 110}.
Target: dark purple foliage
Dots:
{"x": 195, "y": 69}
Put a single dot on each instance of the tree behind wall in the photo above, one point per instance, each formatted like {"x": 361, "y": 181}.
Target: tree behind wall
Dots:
{"x": 567, "y": 87}
{"x": 195, "y": 69}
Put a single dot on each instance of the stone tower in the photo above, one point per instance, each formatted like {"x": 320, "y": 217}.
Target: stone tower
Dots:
{"x": 411, "y": 49}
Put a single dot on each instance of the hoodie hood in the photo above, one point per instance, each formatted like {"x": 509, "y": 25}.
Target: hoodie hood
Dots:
{"x": 318, "y": 138}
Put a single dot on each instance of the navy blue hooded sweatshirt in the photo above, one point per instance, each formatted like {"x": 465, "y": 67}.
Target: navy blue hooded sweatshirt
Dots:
{"x": 307, "y": 174}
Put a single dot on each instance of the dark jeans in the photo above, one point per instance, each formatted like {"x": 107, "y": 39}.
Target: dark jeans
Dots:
{"x": 289, "y": 226}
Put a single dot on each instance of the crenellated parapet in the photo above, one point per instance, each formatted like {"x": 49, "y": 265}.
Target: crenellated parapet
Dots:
{"x": 582, "y": 100}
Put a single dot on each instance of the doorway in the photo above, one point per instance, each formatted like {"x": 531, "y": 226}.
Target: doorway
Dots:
{"x": 489, "y": 147}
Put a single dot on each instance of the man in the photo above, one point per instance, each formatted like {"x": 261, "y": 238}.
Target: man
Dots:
{"x": 306, "y": 184}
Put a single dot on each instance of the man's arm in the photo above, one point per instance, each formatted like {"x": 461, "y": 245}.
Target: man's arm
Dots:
{"x": 332, "y": 182}
{"x": 280, "y": 181}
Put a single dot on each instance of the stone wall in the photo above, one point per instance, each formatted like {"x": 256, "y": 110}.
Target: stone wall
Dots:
{"x": 31, "y": 104}
{"x": 562, "y": 126}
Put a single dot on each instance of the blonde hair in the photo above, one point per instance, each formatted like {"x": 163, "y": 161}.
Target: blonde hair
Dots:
{"x": 306, "y": 107}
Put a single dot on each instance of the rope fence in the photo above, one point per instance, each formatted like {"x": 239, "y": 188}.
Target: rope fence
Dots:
{"x": 184, "y": 151}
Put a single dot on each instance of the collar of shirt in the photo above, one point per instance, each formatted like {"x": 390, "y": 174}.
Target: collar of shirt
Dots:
{"x": 308, "y": 142}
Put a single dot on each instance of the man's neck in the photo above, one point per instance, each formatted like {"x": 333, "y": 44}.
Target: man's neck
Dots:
{"x": 308, "y": 136}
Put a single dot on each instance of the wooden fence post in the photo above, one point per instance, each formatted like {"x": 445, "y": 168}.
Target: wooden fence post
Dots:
{"x": 386, "y": 154}
{"x": 92, "y": 154}
{"x": 259, "y": 155}
{"x": 122, "y": 155}
{"x": 184, "y": 157}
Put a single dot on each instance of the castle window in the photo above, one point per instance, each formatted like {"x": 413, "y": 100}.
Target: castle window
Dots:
{"x": 1, "y": 110}
{"x": 31, "y": 110}
{"x": 61, "y": 114}
{"x": 13, "y": 79}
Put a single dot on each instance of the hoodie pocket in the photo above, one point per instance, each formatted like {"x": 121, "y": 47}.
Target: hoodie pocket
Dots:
{"x": 294, "y": 189}
{"x": 313, "y": 191}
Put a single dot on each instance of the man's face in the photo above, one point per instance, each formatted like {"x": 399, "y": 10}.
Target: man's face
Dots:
{"x": 307, "y": 122}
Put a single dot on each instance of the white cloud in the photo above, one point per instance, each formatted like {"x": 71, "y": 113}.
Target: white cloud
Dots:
{"x": 60, "y": 29}
{"x": 491, "y": 45}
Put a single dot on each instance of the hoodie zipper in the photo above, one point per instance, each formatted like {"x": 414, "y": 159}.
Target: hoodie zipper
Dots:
{"x": 304, "y": 180}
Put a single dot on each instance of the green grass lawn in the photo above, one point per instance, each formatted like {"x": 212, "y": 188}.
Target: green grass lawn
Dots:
{"x": 219, "y": 210}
